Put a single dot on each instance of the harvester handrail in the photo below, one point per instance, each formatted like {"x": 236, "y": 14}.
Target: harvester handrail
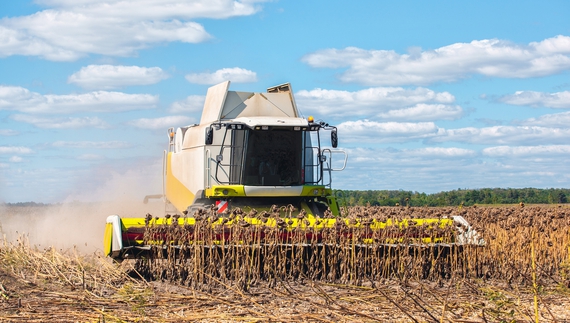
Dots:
{"x": 207, "y": 178}
{"x": 327, "y": 163}
{"x": 209, "y": 175}
{"x": 330, "y": 153}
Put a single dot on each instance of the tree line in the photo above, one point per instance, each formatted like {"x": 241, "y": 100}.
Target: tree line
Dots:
{"x": 466, "y": 197}
{"x": 27, "y": 204}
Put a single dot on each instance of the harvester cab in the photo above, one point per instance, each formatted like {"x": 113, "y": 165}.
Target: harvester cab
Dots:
{"x": 251, "y": 150}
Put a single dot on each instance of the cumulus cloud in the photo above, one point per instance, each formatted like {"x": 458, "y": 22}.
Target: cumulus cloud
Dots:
{"x": 555, "y": 120}
{"x": 61, "y": 123}
{"x": 162, "y": 123}
{"x": 425, "y": 112}
{"x": 381, "y": 132}
{"x": 503, "y": 135}
{"x": 425, "y": 153}
{"x": 441, "y": 169}
{"x": 90, "y": 157}
{"x": 106, "y": 77}
{"x": 366, "y": 131}
{"x": 369, "y": 101}
{"x": 92, "y": 144}
{"x": 15, "y": 159}
{"x": 527, "y": 151}
{"x": 14, "y": 150}
{"x": 436, "y": 168}
{"x": 72, "y": 29}
{"x": 559, "y": 100}
{"x": 235, "y": 74}
{"x": 440, "y": 152}
{"x": 158, "y": 9}
{"x": 489, "y": 121}
{"x": 21, "y": 99}
{"x": 8, "y": 132}
{"x": 192, "y": 104}
{"x": 487, "y": 57}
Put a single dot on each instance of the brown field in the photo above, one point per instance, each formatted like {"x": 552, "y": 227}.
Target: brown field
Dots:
{"x": 522, "y": 275}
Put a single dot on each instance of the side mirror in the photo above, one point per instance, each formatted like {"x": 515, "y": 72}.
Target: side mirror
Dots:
{"x": 334, "y": 138}
{"x": 209, "y": 136}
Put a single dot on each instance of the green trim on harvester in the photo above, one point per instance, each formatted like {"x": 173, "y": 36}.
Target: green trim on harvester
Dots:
{"x": 223, "y": 191}
{"x": 316, "y": 190}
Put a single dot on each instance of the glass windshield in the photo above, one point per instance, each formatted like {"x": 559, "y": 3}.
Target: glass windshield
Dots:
{"x": 274, "y": 157}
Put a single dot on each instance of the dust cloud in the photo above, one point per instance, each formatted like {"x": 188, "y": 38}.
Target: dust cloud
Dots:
{"x": 69, "y": 225}
{"x": 79, "y": 221}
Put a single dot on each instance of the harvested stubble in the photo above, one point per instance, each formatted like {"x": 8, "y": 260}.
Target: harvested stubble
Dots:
{"x": 48, "y": 285}
{"x": 194, "y": 259}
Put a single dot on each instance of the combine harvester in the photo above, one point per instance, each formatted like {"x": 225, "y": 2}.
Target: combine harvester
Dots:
{"x": 251, "y": 186}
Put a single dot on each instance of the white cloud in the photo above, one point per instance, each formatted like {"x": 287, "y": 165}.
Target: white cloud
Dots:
{"x": 488, "y": 57}
{"x": 15, "y": 159}
{"x": 16, "y": 41}
{"x": 90, "y": 157}
{"x": 423, "y": 156}
{"x": 440, "y": 169}
{"x": 61, "y": 123}
{"x": 555, "y": 120}
{"x": 161, "y": 123}
{"x": 436, "y": 168}
{"x": 367, "y": 102}
{"x": 235, "y": 74}
{"x": 192, "y": 104}
{"x": 366, "y": 131}
{"x": 68, "y": 36}
{"x": 527, "y": 151}
{"x": 425, "y": 112}
{"x": 560, "y": 100}
{"x": 14, "y": 150}
{"x": 158, "y": 9}
{"x": 92, "y": 144}
{"x": 439, "y": 152}
{"x": 504, "y": 135}
{"x": 8, "y": 132}
{"x": 73, "y": 29}
{"x": 489, "y": 121}
{"x": 106, "y": 77}
{"x": 379, "y": 132}
{"x": 23, "y": 100}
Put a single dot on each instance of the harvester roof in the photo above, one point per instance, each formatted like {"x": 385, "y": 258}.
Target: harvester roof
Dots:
{"x": 253, "y": 122}
{"x": 222, "y": 104}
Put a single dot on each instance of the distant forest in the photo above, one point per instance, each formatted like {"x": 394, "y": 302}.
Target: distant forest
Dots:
{"x": 29, "y": 204}
{"x": 455, "y": 197}
{"x": 492, "y": 196}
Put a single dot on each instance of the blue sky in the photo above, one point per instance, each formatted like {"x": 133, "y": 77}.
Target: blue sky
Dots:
{"x": 427, "y": 96}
